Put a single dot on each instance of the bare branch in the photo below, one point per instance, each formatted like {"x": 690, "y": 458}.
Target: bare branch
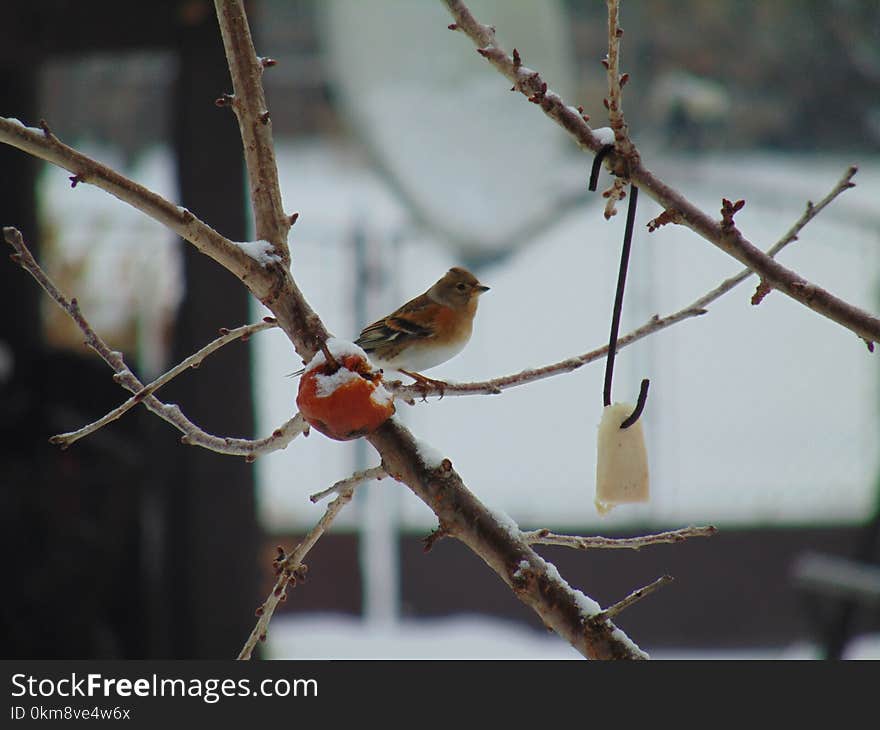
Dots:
{"x": 359, "y": 477}
{"x": 171, "y": 413}
{"x": 45, "y": 145}
{"x": 622, "y": 143}
{"x": 290, "y": 567}
{"x": 655, "y": 324}
{"x": 731, "y": 241}
{"x": 268, "y": 279}
{"x": 249, "y": 104}
{"x": 545, "y": 537}
{"x": 634, "y": 597}
{"x": 193, "y": 361}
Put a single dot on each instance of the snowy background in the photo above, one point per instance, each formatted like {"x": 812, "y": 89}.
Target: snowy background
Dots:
{"x": 757, "y": 416}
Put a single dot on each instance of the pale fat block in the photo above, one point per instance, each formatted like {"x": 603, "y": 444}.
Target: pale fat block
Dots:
{"x": 622, "y": 463}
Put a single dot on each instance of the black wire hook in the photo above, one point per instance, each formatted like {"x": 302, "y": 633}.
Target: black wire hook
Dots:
{"x": 618, "y": 300}
{"x": 597, "y": 165}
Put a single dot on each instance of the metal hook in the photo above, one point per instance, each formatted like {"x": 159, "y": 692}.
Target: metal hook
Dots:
{"x": 615, "y": 314}
{"x": 597, "y": 164}
{"x": 640, "y": 405}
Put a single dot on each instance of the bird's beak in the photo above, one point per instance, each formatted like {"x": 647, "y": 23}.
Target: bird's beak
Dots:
{"x": 481, "y": 288}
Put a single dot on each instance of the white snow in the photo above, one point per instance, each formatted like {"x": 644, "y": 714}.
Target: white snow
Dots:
{"x": 431, "y": 456}
{"x": 521, "y": 567}
{"x": 623, "y": 638}
{"x": 326, "y": 385}
{"x": 329, "y": 636}
{"x": 19, "y": 123}
{"x": 339, "y": 348}
{"x": 261, "y": 251}
{"x": 380, "y": 396}
{"x": 587, "y": 605}
{"x": 325, "y": 636}
{"x": 605, "y": 135}
{"x": 507, "y": 522}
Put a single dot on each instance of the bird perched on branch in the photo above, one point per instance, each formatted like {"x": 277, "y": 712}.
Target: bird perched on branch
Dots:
{"x": 428, "y": 330}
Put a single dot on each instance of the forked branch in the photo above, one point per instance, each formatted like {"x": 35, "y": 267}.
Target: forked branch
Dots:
{"x": 728, "y": 238}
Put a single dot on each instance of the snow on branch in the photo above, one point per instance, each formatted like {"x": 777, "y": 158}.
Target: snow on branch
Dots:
{"x": 678, "y": 208}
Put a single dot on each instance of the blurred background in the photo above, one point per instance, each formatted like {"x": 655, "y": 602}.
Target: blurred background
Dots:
{"x": 405, "y": 154}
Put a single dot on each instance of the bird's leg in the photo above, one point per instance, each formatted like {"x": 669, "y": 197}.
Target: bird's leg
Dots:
{"x": 426, "y": 383}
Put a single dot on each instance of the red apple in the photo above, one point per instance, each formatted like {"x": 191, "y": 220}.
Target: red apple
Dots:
{"x": 343, "y": 399}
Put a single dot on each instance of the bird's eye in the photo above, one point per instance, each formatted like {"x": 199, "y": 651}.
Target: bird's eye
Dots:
{"x": 461, "y": 286}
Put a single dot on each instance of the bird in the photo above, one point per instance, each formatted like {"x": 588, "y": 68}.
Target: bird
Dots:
{"x": 428, "y": 330}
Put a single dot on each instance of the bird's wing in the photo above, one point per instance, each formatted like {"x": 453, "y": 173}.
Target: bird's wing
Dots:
{"x": 399, "y": 326}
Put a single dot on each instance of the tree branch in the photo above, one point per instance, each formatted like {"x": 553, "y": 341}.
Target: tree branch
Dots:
{"x": 193, "y": 361}
{"x": 171, "y": 413}
{"x": 266, "y": 276}
{"x": 290, "y": 567}
{"x": 545, "y": 537}
{"x": 726, "y": 237}
{"x": 498, "y": 541}
{"x": 635, "y": 597}
{"x": 365, "y": 475}
{"x": 501, "y": 545}
{"x": 249, "y": 104}
{"x": 655, "y": 324}
{"x": 43, "y": 144}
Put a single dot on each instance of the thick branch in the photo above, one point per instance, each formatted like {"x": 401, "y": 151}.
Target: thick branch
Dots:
{"x": 502, "y": 546}
{"x": 269, "y": 281}
{"x": 728, "y": 238}
{"x": 45, "y": 145}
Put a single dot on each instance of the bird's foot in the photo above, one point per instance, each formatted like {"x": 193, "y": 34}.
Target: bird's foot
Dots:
{"x": 426, "y": 383}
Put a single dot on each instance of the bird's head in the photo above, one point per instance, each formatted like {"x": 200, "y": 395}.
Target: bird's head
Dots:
{"x": 458, "y": 288}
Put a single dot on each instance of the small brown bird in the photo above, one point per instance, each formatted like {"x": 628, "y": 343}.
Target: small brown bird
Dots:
{"x": 428, "y": 330}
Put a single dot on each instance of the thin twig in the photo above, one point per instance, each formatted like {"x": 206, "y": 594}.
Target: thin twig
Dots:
{"x": 732, "y": 242}
{"x": 171, "y": 413}
{"x": 634, "y": 597}
{"x": 375, "y": 472}
{"x": 249, "y": 104}
{"x": 545, "y": 537}
{"x": 622, "y": 142}
{"x": 193, "y": 361}
{"x": 289, "y": 567}
{"x": 655, "y": 324}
